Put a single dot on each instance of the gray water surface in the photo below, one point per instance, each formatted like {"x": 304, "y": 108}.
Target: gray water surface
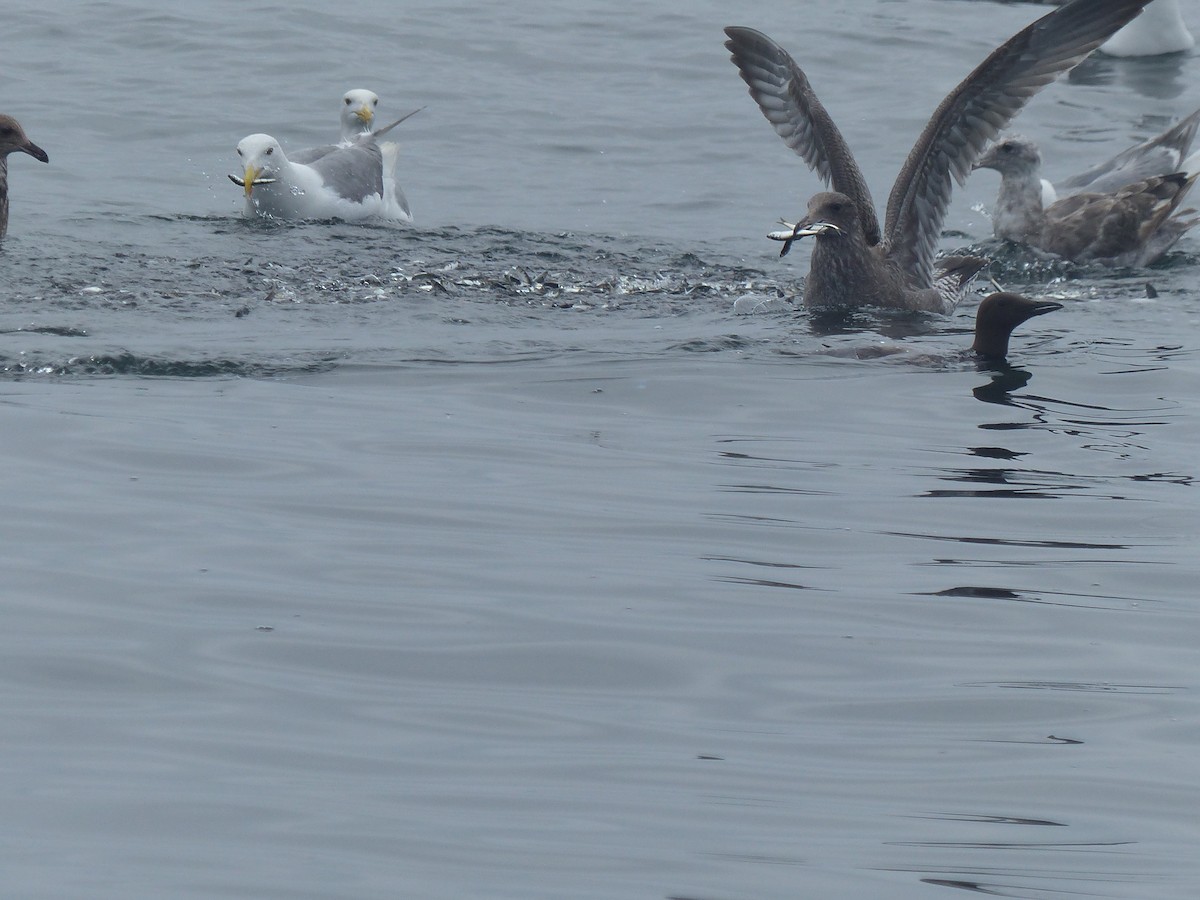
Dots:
{"x": 499, "y": 556}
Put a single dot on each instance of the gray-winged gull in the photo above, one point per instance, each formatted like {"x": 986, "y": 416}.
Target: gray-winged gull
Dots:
{"x": 357, "y": 117}
{"x": 13, "y": 139}
{"x": 1133, "y": 225}
{"x": 353, "y": 181}
{"x": 856, "y": 263}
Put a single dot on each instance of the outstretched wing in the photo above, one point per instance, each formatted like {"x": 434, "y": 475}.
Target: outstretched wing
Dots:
{"x": 785, "y": 97}
{"x": 975, "y": 111}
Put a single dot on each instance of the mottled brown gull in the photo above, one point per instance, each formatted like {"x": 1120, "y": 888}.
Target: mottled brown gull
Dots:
{"x": 1133, "y": 225}
{"x": 13, "y": 139}
{"x": 854, "y": 262}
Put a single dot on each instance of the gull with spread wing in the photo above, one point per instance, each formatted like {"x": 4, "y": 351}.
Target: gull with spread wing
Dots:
{"x": 854, "y": 261}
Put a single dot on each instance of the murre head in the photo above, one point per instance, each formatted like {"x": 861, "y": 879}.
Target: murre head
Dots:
{"x": 998, "y": 315}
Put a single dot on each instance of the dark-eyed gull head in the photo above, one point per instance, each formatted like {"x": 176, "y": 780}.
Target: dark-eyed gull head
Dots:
{"x": 998, "y": 315}
{"x": 262, "y": 158}
{"x": 358, "y": 113}
{"x": 831, "y": 214}
{"x": 13, "y": 139}
{"x": 1012, "y": 155}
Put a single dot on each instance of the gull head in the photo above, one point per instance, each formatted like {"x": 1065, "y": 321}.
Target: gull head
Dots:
{"x": 1013, "y": 155}
{"x": 830, "y": 214}
{"x": 12, "y": 139}
{"x": 358, "y": 112}
{"x": 262, "y": 158}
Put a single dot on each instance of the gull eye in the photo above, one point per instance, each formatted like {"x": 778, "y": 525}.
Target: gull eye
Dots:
{"x": 239, "y": 151}
{"x": 270, "y": 150}
{"x": 375, "y": 102}
{"x": 348, "y": 101}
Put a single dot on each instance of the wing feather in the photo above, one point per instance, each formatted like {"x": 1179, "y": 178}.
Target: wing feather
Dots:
{"x": 974, "y": 113}
{"x": 787, "y": 100}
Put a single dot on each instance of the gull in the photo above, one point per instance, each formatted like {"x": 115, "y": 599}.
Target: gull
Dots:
{"x": 357, "y": 118}
{"x": 1133, "y": 225}
{"x": 13, "y": 139}
{"x": 854, "y": 261}
{"x": 346, "y": 182}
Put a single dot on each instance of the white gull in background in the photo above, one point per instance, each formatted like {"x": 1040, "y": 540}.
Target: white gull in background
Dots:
{"x": 357, "y": 118}
{"x": 1158, "y": 30}
{"x": 352, "y": 181}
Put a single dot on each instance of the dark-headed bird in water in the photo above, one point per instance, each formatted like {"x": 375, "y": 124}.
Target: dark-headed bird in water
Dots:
{"x": 854, "y": 262}
{"x": 995, "y": 318}
{"x": 998, "y": 315}
{"x": 12, "y": 138}
{"x": 1133, "y": 225}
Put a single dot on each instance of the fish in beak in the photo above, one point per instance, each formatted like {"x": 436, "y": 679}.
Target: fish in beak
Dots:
{"x": 250, "y": 179}
{"x": 799, "y": 230}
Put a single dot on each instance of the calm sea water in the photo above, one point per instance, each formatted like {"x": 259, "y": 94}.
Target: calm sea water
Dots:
{"x": 500, "y": 556}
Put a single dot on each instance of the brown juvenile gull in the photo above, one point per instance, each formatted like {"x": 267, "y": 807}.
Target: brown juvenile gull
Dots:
{"x": 998, "y": 315}
{"x": 1131, "y": 226}
{"x": 12, "y": 138}
{"x": 854, "y": 262}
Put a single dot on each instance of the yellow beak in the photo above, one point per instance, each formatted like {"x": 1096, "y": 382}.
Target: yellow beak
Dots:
{"x": 364, "y": 114}
{"x": 251, "y": 176}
